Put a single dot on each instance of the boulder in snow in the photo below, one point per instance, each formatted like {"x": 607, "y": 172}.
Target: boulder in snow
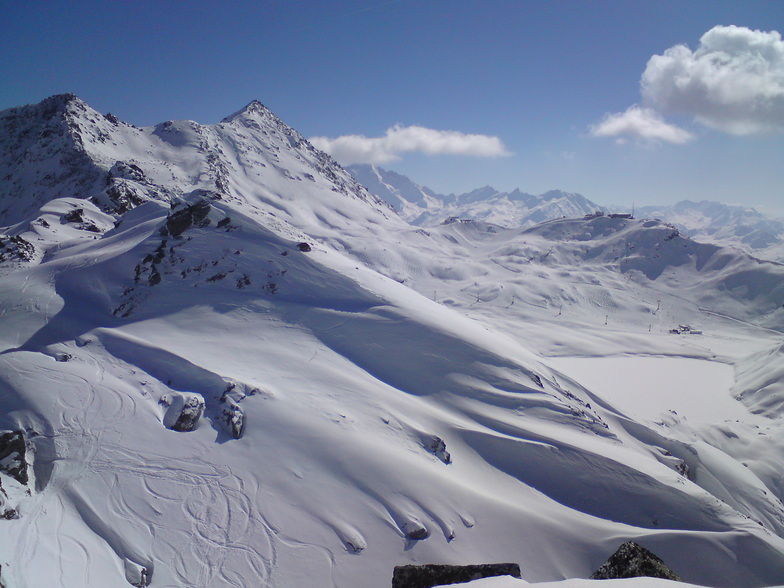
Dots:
{"x": 233, "y": 418}
{"x": 184, "y": 412}
{"x": 430, "y": 575}
{"x": 415, "y": 530}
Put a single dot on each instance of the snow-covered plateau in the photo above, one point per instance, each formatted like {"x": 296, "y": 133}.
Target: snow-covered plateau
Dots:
{"x": 232, "y": 365}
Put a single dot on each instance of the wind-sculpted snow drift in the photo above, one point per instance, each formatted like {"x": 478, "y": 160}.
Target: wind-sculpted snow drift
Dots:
{"x": 337, "y": 420}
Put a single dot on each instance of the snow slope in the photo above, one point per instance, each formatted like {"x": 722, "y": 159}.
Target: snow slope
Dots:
{"x": 350, "y": 422}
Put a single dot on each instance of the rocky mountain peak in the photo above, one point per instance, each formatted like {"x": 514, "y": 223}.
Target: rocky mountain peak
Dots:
{"x": 254, "y": 110}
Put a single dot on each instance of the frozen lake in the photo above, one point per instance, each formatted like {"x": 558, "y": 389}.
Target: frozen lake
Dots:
{"x": 648, "y": 386}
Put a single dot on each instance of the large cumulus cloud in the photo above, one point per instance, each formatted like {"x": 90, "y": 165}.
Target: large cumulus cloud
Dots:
{"x": 733, "y": 82}
{"x": 399, "y": 139}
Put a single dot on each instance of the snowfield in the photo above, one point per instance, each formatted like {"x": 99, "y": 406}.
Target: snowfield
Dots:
{"x": 649, "y": 387}
{"x": 234, "y": 366}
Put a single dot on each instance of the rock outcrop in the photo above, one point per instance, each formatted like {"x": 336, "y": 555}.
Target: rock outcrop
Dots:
{"x": 437, "y": 447}
{"x": 182, "y": 219}
{"x": 634, "y": 561}
{"x": 184, "y": 412}
{"x": 12, "y": 455}
{"x": 430, "y": 575}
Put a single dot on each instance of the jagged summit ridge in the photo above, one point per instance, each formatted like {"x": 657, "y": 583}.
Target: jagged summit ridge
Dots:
{"x": 43, "y": 155}
{"x": 63, "y": 148}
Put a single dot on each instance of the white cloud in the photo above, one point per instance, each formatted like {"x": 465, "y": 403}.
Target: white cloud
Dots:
{"x": 639, "y": 123}
{"x": 399, "y": 139}
{"x": 733, "y": 82}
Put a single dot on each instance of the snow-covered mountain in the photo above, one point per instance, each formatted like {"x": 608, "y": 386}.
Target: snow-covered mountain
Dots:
{"x": 229, "y": 364}
{"x": 709, "y": 222}
{"x": 725, "y": 224}
{"x": 421, "y": 206}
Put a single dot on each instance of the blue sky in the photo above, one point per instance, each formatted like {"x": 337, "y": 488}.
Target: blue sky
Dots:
{"x": 526, "y": 87}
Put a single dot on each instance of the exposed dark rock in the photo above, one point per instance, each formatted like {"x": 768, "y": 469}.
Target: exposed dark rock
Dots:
{"x": 9, "y": 514}
{"x": 74, "y": 216}
{"x": 187, "y": 412}
{"x": 634, "y": 561}
{"x": 122, "y": 196}
{"x": 127, "y": 171}
{"x": 155, "y": 277}
{"x": 682, "y": 468}
{"x": 223, "y": 222}
{"x": 160, "y": 252}
{"x": 427, "y": 576}
{"x": 234, "y": 418}
{"x": 16, "y": 248}
{"x": 437, "y": 447}
{"x": 12, "y": 455}
{"x": 415, "y": 531}
{"x": 304, "y": 247}
{"x": 183, "y": 219}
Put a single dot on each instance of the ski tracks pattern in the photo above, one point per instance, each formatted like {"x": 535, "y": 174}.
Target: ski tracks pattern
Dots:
{"x": 145, "y": 506}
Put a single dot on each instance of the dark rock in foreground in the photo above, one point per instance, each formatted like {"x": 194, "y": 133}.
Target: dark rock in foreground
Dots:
{"x": 12, "y": 455}
{"x": 634, "y": 561}
{"x": 437, "y": 575}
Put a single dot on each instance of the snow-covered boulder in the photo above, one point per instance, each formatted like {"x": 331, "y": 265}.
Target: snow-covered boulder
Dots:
{"x": 185, "y": 410}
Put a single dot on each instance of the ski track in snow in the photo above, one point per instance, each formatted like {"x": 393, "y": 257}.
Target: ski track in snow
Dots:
{"x": 222, "y": 510}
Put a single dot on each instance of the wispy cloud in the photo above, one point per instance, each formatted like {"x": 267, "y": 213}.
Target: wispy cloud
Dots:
{"x": 398, "y": 139}
{"x": 640, "y": 123}
{"x": 733, "y": 82}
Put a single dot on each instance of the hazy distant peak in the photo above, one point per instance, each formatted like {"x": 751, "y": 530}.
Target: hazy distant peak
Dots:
{"x": 482, "y": 193}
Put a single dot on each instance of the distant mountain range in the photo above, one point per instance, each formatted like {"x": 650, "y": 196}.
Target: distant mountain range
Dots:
{"x": 711, "y": 222}
{"x": 724, "y": 224}
{"x": 420, "y": 205}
